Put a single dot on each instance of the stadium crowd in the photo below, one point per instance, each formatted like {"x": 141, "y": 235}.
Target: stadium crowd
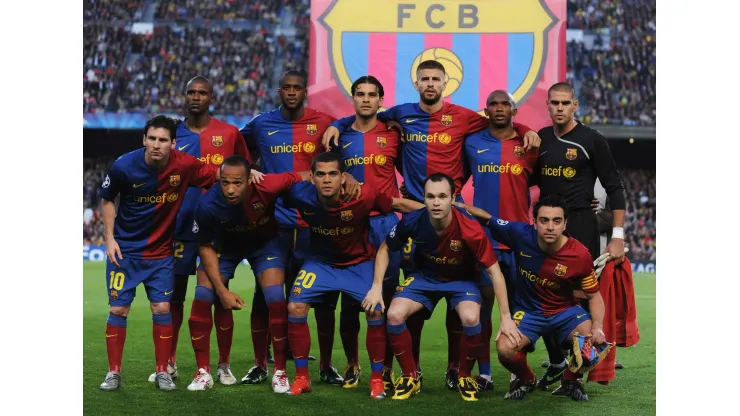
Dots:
{"x": 614, "y": 76}
{"x": 639, "y": 221}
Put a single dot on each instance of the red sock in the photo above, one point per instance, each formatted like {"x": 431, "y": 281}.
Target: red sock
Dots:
{"x": 115, "y": 337}
{"x": 325, "y": 323}
{"x": 224, "y": 321}
{"x": 279, "y": 332}
{"x": 415, "y": 324}
{"x": 349, "y": 330}
{"x": 300, "y": 342}
{"x": 162, "y": 334}
{"x": 375, "y": 343}
{"x": 200, "y": 323}
{"x": 519, "y": 366}
{"x": 388, "y": 353}
{"x": 176, "y": 309}
{"x": 470, "y": 349}
{"x": 260, "y": 320}
{"x": 401, "y": 341}
{"x": 571, "y": 376}
{"x": 454, "y": 338}
{"x": 484, "y": 355}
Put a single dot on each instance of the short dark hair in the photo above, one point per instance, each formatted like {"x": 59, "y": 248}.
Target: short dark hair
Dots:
{"x": 440, "y": 177}
{"x": 430, "y": 64}
{"x": 368, "y": 79}
{"x": 236, "y": 160}
{"x": 161, "y": 121}
{"x": 555, "y": 201}
{"x": 562, "y": 87}
{"x": 327, "y": 157}
{"x": 294, "y": 73}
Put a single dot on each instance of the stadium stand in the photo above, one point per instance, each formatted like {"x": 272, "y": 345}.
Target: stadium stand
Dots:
{"x": 112, "y": 11}
{"x": 185, "y": 10}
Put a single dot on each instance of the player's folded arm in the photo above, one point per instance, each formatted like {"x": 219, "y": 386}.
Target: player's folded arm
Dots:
{"x": 506, "y": 232}
{"x": 405, "y": 206}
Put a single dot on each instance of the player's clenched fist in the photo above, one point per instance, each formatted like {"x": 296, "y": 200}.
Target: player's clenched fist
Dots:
{"x": 112, "y": 250}
{"x": 231, "y": 300}
{"x": 597, "y": 336}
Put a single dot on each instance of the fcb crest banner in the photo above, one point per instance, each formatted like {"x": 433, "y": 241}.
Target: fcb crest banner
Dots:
{"x": 484, "y": 45}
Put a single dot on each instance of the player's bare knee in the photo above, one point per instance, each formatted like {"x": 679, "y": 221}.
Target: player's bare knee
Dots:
{"x": 272, "y": 276}
{"x": 506, "y": 350}
{"x": 160, "y": 307}
{"x": 298, "y": 310}
{"x": 396, "y": 315}
{"x": 469, "y": 318}
{"x": 120, "y": 310}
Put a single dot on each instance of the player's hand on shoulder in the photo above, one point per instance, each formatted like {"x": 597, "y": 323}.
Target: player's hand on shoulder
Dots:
{"x": 256, "y": 176}
{"x": 351, "y": 188}
{"x": 231, "y": 300}
{"x": 331, "y": 134}
{"x": 112, "y": 250}
{"x": 531, "y": 139}
{"x": 395, "y": 125}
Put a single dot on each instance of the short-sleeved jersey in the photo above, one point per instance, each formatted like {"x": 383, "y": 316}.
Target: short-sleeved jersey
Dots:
{"x": 245, "y": 226}
{"x": 150, "y": 200}
{"x": 454, "y": 254}
{"x": 371, "y": 157}
{"x": 286, "y": 146}
{"x": 433, "y": 142}
{"x": 218, "y": 141}
{"x": 545, "y": 283}
{"x": 339, "y": 235}
{"x": 501, "y": 171}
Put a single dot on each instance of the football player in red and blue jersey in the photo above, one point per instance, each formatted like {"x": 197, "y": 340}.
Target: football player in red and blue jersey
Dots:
{"x": 434, "y": 132}
{"x": 550, "y": 266}
{"x": 285, "y": 140}
{"x": 340, "y": 258}
{"x": 450, "y": 249}
{"x": 369, "y": 151}
{"x": 234, "y": 221}
{"x": 501, "y": 171}
{"x": 150, "y": 183}
{"x": 209, "y": 140}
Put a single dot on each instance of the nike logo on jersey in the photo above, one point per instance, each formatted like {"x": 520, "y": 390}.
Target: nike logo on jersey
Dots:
{"x": 270, "y": 133}
{"x": 139, "y": 185}
{"x": 181, "y": 148}
{"x": 346, "y": 145}
{"x": 581, "y": 316}
{"x": 410, "y": 120}
{"x": 167, "y": 293}
{"x": 271, "y": 258}
{"x": 521, "y": 253}
{"x": 481, "y": 151}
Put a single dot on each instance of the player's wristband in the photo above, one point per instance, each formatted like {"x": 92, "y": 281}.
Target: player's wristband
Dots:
{"x": 618, "y": 232}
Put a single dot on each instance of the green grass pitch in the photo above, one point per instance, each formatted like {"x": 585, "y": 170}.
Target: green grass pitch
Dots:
{"x": 633, "y": 392}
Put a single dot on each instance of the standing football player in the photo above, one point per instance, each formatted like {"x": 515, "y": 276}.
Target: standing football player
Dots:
{"x": 138, "y": 238}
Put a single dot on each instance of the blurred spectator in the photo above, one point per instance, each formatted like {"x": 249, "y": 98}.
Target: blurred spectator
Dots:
{"x": 640, "y": 218}
{"x": 184, "y": 10}
{"x": 93, "y": 174}
{"x": 103, "y": 48}
{"x": 110, "y": 11}
{"x": 615, "y": 74}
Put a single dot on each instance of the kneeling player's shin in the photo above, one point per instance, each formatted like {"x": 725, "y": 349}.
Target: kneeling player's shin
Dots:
{"x": 275, "y": 298}
{"x": 162, "y": 333}
{"x": 518, "y": 365}
{"x": 375, "y": 344}
{"x": 259, "y": 321}
{"x": 115, "y": 337}
{"x": 401, "y": 342}
{"x": 200, "y": 324}
{"x": 300, "y": 342}
{"x": 472, "y": 341}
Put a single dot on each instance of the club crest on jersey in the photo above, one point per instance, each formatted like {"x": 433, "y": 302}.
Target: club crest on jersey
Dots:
{"x": 381, "y": 142}
{"x": 114, "y": 294}
{"x": 466, "y": 28}
{"x": 258, "y": 206}
{"x": 446, "y": 120}
{"x": 347, "y": 215}
{"x": 571, "y": 154}
{"x": 312, "y": 129}
{"x": 518, "y": 151}
{"x": 561, "y": 270}
{"x": 217, "y": 140}
{"x": 296, "y": 291}
{"x": 455, "y": 245}
{"x": 174, "y": 180}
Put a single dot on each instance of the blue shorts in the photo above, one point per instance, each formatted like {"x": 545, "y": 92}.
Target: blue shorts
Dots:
{"x": 186, "y": 253}
{"x": 158, "y": 277}
{"x": 266, "y": 257}
{"x": 316, "y": 280}
{"x": 293, "y": 245}
{"x": 428, "y": 292}
{"x": 534, "y": 324}
{"x": 380, "y": 227}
